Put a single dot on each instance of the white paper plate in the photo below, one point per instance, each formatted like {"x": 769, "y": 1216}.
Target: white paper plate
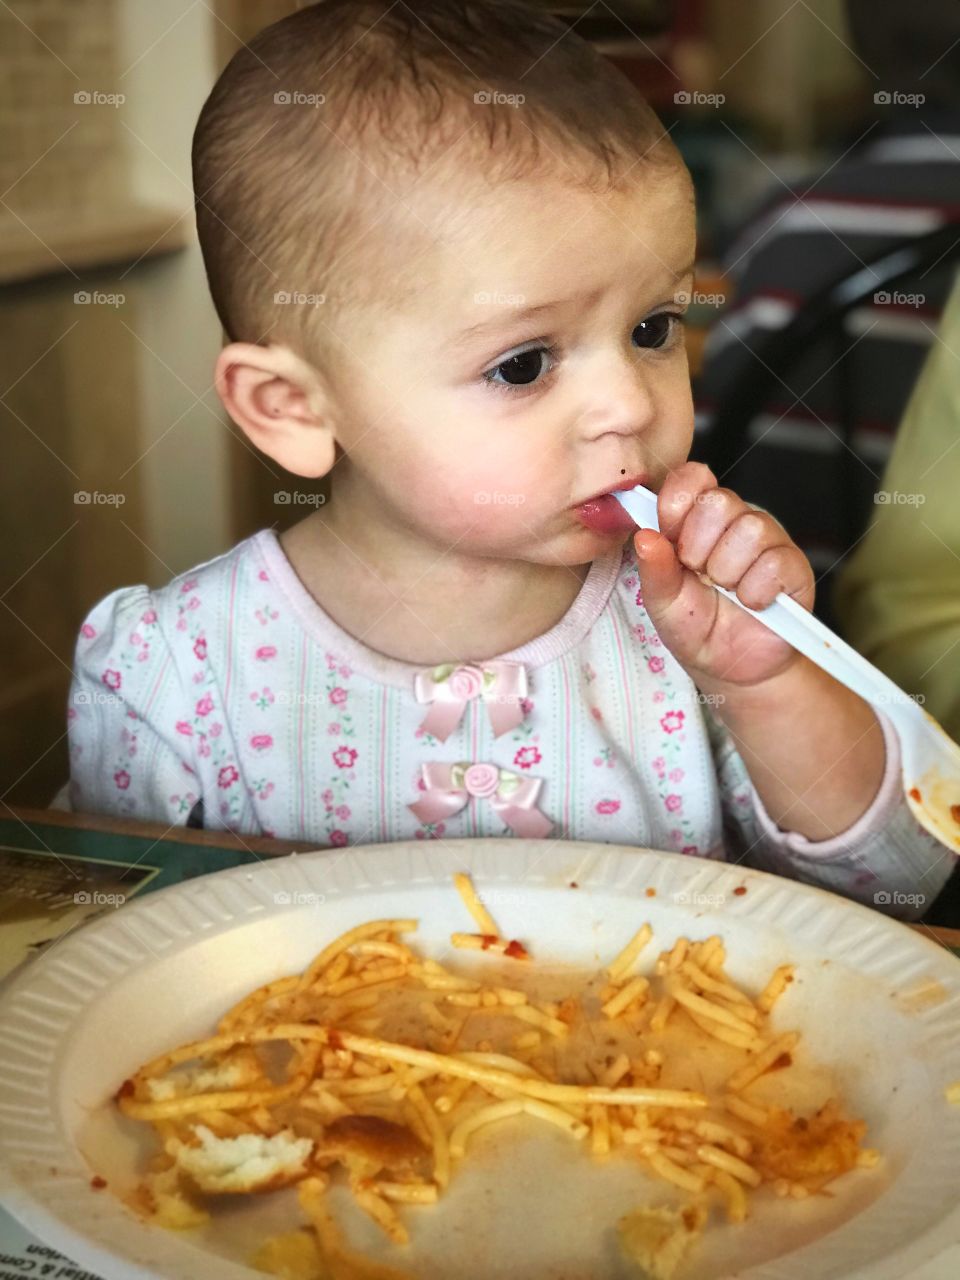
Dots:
{"x": 161, "y": 970}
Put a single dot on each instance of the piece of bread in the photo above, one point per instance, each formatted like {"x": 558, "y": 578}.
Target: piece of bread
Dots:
{"x": 657, "y": 1240}
{"x": 250, "y": 1162}
{"x": 367, "y": 1144}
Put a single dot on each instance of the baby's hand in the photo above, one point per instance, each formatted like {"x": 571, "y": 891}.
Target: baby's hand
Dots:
{"x": 708, "y": 530}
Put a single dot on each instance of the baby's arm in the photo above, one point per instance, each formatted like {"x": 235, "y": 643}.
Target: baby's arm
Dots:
{"x": 127, "y": 755}
{"x": 885, "y": 859}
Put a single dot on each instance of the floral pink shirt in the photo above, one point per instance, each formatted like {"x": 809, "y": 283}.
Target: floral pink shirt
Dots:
{"x": 233, "y": 687}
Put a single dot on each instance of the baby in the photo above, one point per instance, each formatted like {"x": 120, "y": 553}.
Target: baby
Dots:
{"x": 450, "y": 246}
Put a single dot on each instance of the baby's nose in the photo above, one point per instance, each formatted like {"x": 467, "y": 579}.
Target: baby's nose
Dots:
{"x": 619, "y": 398}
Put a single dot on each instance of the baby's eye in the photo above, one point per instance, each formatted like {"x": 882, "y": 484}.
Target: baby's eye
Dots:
{"x": 519, "y": 370}
{"x": 656, "y": 331}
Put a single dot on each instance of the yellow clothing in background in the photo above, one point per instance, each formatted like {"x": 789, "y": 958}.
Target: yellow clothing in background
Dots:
{"x": 899, "y": 597}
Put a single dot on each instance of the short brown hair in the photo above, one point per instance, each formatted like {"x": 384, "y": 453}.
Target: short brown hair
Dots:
{"x": 312, "y": 122}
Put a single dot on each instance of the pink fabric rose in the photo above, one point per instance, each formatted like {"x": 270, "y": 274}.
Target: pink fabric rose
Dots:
{"x": 672, "y": 722}
{"x": 482, "y": 780}
{"x": 227, "y": 776}
{"x": 338, "y": 696}
{"x": 338, "y": 837}
{"x": 112, "y": 679}
{"x": 342, "y": 811}
{"x": 656, "y": 664}
{"x": 674, "y": 803}
{"x": 344, "y": 757}
{"x": 466, "y": 682}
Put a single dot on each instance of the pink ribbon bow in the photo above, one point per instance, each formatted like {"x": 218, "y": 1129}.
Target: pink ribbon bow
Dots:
{"x": 513, "y": 798}
{"x": 449, "y": 688}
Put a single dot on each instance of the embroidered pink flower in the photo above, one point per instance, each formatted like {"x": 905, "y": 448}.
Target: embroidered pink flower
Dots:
{"x": 227, "y": 776}
{"x": 343, "y": 811}
{"x": 188, "y": 586}
{"x": 87, "y": 631}
{"x": 112, "y": 679}
{"x": 265, "y": 652}
{"x": 659, "y": 764}
{"x": 205, "y": 705}
{"x": 345, "y": 672}
{"x": 122, "y": 779}
{"x": 527, "y": 756}
{"x": 673, "y": 802}
{"x": 672, "y": 722}
{"x": 333, "y": 728}
{"x": 338, "y": 696}
{"x": 184, "y": 727}
{"x": 136, "y": 638}
{"x": 607, "y": 806}
{"x": 676, "y": 775}
{"x": 526, "y": 706}
{"x": 200, "y": 647}
{"x": 482, "y": 780}
{"x": 639, "y": 598}
{"x": 338, "y": 837}
{"x": 215, "y": 730}
{"x": 149, "y": 617}
{"x": 344, "y": 757}
{"x": 466, "y": 682}
{"x": 656, "y": 664}
{"x": 327, "y": 796}
{"x": 263, "y": 576}
{"x": 261, "y": 741}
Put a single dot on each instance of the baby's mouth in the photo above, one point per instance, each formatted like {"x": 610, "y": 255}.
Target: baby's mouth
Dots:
{"x": 604, "y": 514}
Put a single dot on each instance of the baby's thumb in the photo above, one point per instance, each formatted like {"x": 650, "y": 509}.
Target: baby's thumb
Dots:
{"x": 661, "y": 573}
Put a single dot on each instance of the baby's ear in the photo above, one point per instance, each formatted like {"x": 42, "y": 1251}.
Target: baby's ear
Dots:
{"x": 280, "y": 403}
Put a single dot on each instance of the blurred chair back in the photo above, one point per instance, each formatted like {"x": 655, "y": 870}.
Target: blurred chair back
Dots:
{"x": 821, "y": 320}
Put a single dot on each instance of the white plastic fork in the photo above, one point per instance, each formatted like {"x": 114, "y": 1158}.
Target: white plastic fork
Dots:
{"x": 930, "y": 759}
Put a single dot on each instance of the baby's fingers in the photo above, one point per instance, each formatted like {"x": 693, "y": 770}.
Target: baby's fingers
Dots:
{"x": 783, "y": 568}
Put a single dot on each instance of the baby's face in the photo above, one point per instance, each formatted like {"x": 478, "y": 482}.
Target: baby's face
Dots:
{"x": 538, "y": 362}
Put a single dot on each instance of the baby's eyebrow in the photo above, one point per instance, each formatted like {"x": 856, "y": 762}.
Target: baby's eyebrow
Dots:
{"x": 497, "y": 323}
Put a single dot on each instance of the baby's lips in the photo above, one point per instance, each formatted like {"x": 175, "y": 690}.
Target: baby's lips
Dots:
{"x": 605, "y": 515}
